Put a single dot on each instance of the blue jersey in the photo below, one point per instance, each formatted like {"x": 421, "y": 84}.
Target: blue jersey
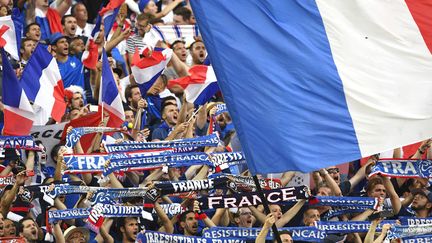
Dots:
{"x": 72, "y": 72}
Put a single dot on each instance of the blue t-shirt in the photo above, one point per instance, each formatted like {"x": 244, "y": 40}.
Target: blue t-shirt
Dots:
{"x": 72, "y": 72}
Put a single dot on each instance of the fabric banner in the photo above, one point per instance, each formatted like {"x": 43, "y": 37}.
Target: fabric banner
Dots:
{"x": 171, "y": 209}
{"x": 310, "y": 234}
{"x": 281, "y": 195}
{"x": 7, "y": 180}
{"x": 348, "y": 226}
{"x": 228, "y": 158}
{"x": 190, "y": 185}
{"x": 109, "y": 211}
{"x": 400, "y": 231}
{"x": 18, "y": 142}
{"x": 171, "y": 160}
{"x": 74, "y": 136}
{"x": 221, "y": 108}
{"x": 362, "y": 202}
{"x": 204, "y": 141}
{"x": 151, "y": 236}
{"x": 82, "y": 163}
{"x": 338, "y": 211}
{"x": 414, "y": 221}
{"x": 403, "y": 168}
{"x": 246, "y": 183}
{"x": 49, "y": 135}
{"x": 417, "y": 239}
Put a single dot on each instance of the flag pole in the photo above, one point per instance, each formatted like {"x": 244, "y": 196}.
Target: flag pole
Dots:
{"x": 266, "y": 208}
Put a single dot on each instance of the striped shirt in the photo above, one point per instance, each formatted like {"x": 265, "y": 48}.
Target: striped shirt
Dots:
{"x": 133, "y": 42}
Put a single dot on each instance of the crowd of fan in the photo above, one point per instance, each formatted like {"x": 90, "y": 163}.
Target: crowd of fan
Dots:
{"x": 163, "y": 114}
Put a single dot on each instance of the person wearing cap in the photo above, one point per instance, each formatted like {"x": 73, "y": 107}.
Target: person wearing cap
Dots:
{"x": 421, "y": 204}
{"x": 70, "y": 67}
{"x": 75, "y": 234}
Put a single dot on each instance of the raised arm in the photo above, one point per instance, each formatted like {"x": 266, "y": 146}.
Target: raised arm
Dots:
{"x": 291, "y": 213}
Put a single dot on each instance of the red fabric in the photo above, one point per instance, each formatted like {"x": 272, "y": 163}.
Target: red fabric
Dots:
{"x": 59, "y": 103}
{"x": 16, "y": 125}
{"x": 90, "y": 120}
{"x": 421, "y": 10}
{"x": 3, "y": 29}
{"x": 54, "y": 21}
{"x": 198, "y": 75}
{"x": 91, "y": 60}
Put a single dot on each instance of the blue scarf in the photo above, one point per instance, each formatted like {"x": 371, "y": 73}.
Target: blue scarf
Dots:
{"x": 403, "y": 168}
{"x": 204, "y": 141}
{"x": 401, "y": 231}
{"x": 151, "y": 237}
{"x": 171, "y": 160}
{"x": 310, "y": 234}
{"x": 18, "y": 142}
{"x": 74, "y": 136}
{"x": 348, "y": 226}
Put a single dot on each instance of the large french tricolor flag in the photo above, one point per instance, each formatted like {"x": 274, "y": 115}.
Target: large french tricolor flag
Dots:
{"x": 10, "y": 34}
{"x": 109, "y": 96}
{"x": 311, "y": 84}
{"x": 109, "y": 14}
{"x": 43, "y": 85}
{"x": 147, "y": 69}
{"x": 18, "y": 112}
{"x": 199, "y": 86}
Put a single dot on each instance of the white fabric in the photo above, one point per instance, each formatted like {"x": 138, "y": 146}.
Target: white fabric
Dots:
{"x": 396, "y": 40}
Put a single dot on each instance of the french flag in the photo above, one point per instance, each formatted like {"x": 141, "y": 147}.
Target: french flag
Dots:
{"x": 109, "y": 14}
{"x": 322, "y": 82}
{"x": 199, "y": 86}
{"x": 10, "y": 34}
{"x": 43, "y": 85}
{"x": 18, "y": 112}
{"x": 109, "y": 96}
{"x": 147, "y": 69}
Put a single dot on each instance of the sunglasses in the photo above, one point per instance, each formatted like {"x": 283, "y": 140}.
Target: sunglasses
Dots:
{"x": 333, "y": 170}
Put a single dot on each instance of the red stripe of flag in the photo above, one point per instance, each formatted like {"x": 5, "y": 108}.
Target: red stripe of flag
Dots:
{"x": 421, "y": 10}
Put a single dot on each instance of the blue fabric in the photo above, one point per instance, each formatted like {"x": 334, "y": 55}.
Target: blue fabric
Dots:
{"x": 72, "y": 72}
{"x": 109, "y": 87}
{"x": 30, "y": 79}
{"x": 44, "y": 27}
{"x": 282, "y": 86}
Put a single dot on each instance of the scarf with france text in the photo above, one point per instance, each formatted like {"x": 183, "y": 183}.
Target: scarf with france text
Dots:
{"x": 310, "y": 234}
{"x": 247, "y": 199}
{"x": 204, "y": 141}
{"x": 18, "y": 142}
{"x": 403, "y": 168}
{"x": 170, "y": 160}
{"x": 83, "y": 163}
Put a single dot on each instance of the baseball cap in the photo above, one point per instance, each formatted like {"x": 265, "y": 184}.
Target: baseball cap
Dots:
{"x": 55, "y": 37}
{"x": 423, "y": 192}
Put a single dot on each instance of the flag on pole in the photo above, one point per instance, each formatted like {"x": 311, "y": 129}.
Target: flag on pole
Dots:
{"x": 109, "y": 95}
{"x": 10, "y": 33}
{"x": 43, "y": 85}
{"x": 199, "y": 86}
{"x": 311, "y": 84}
{"x": 109, "y": 14}
{"x": 146, "y": 70}
{"x": 18, "y": 113}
